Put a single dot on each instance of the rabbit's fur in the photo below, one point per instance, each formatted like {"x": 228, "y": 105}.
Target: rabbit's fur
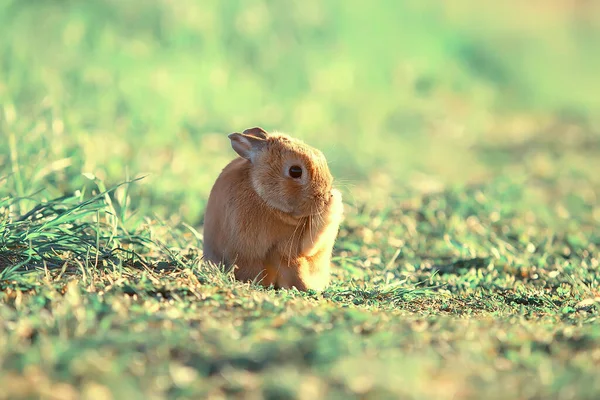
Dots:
{"x": 271, "y": 226}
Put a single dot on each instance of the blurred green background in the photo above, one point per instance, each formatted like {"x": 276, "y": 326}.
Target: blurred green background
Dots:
{"x": 464, "y": 135}
{"x": 404, "y": 94}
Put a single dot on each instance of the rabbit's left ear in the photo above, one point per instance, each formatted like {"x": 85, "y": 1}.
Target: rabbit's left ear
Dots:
{"x": 256, "y": 131}
{"x": 247, "y": 146}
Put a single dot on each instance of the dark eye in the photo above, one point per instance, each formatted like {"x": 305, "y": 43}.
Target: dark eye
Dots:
{"x": 295, "y": 171}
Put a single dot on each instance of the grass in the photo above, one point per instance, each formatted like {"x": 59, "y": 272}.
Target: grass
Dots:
{"x": 466, "y": 144}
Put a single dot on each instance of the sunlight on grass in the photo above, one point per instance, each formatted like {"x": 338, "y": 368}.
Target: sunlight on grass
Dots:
{"x": 463, "y": 135}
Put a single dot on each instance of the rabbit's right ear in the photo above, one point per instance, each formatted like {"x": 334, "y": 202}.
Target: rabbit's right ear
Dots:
{"x": 246, "y": 146}
{"x": 256, "y": 131}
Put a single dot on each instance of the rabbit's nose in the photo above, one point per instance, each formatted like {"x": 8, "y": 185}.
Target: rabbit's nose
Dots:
{"x": 323, "y": 196}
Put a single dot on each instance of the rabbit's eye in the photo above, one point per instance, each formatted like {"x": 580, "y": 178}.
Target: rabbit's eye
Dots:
{"x": 295, "y": 171}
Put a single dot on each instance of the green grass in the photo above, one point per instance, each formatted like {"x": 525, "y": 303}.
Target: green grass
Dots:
{"x": 464, "y": 137}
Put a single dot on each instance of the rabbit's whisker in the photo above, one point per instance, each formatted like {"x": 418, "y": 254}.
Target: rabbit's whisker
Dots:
{"x": 291, "y": 244}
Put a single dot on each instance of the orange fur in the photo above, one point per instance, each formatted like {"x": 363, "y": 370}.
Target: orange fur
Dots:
{"x": 271, "y": 227}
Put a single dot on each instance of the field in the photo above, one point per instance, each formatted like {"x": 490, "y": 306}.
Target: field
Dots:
{"x": 464, "y": 136}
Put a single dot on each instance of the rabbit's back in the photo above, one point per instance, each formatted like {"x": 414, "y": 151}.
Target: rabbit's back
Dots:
{"x": 237, "y": 224}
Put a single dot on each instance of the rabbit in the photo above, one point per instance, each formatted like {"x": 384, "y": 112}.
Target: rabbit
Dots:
{"x": 273, "y": 214}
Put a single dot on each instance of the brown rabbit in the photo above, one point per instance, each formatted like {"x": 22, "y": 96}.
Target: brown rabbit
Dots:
{"x": 273, "y": 214}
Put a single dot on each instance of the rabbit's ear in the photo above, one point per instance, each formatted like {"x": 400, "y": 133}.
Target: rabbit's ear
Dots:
{"x": 247, "y": 146}
{"x": 256, "y": 131}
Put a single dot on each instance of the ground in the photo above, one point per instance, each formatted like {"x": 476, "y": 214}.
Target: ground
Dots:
{"x": 464, "y": 138}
